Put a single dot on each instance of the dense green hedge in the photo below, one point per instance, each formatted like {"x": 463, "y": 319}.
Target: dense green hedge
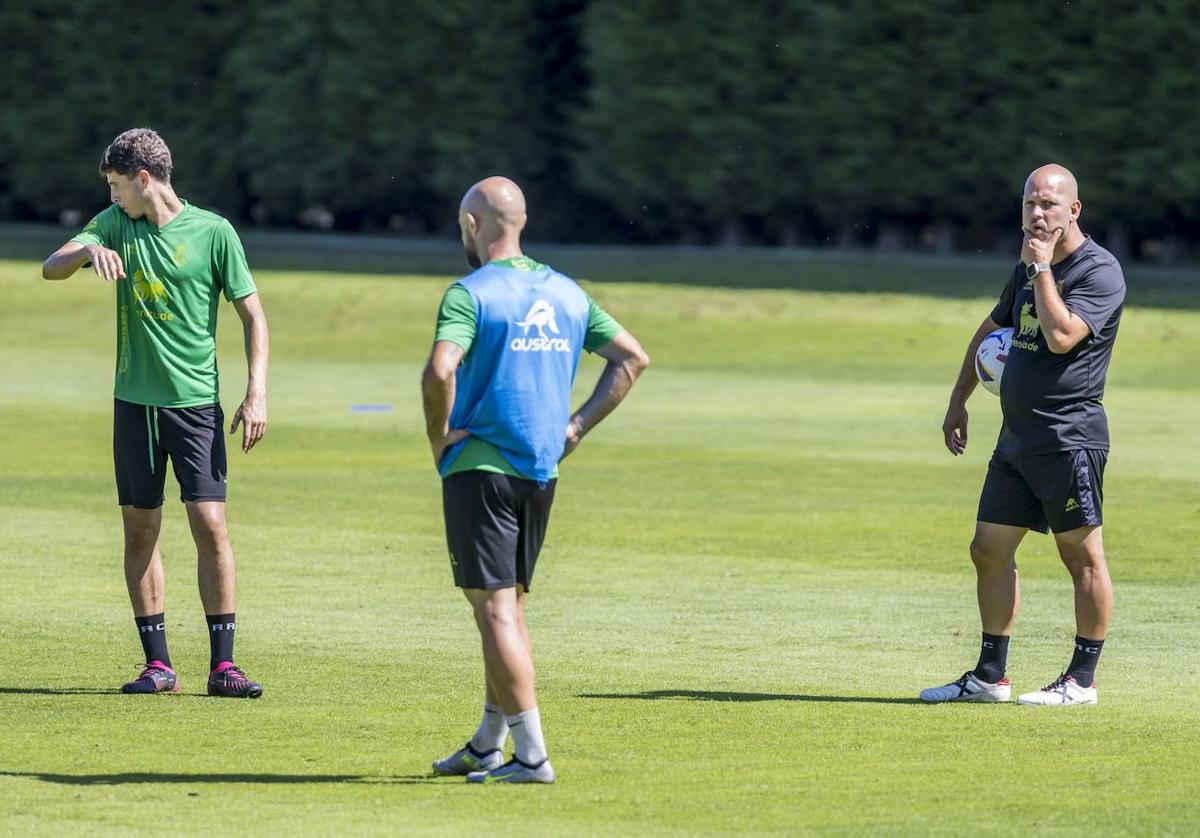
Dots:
{"x": 899, "y": 123}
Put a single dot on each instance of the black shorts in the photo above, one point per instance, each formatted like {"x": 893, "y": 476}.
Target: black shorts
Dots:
{"x": 495, "y": 526}
{"x": 1059, "y": 491}
{"x": 145, "y": 436}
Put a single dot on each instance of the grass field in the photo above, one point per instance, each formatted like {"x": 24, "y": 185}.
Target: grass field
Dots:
{"x": 752, "y": 569}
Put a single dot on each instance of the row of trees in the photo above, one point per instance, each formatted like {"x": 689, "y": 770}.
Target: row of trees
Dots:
{"x": 658, "y": 120}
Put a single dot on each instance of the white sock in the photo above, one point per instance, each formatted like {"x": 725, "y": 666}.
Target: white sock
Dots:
{"x": 493, "y": 730}
{"x": 529, "y": 746}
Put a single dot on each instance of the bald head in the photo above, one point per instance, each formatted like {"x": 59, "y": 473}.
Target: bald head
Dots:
{"x": 1054, "y": 178}
{"x": 496, "y": 198}
{"x": 491, "y": 217}
{"x": 1051, "y": 203}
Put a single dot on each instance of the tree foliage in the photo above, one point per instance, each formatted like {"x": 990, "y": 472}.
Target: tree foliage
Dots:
{"x": 654, "y": 120}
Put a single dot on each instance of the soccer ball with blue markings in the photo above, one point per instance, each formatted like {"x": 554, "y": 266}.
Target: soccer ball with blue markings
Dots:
{"x": 990, "y": 359}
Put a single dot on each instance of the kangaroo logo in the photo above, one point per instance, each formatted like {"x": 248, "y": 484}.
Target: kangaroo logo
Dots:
{"x": 541, "y": 315}
{"x": 1029, "y": 322}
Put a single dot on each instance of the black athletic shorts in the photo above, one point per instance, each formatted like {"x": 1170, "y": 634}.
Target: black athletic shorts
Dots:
{"x": 145, "y": 436}
{"x": 1060, "y": 491}
{"x": 495, "y": 526}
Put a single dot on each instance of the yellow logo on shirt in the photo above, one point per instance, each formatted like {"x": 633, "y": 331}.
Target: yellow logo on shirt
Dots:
{"x": 1029, "y": 322}
{"x": 1026, "y": 335}
{"x": 123, "y": 343}
{"x": 180, "y": 255}
{"x": 149, "y": 290}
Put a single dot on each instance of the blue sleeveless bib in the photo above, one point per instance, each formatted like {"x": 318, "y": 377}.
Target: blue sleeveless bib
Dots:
{"x": 514, "y": 388}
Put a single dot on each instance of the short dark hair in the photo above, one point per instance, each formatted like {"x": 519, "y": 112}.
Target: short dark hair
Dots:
{"x": 137, "y": 149}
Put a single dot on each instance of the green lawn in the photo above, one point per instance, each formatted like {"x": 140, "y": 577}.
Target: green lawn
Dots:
{"x": 752, "y": 569}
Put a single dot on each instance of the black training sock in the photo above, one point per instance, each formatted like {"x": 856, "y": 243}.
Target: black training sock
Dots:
{"x": 993, "y": 658}
{"x": 1083, "y": 662}
{"x": 220, "y": 638}
{"x": 152, "y": 631}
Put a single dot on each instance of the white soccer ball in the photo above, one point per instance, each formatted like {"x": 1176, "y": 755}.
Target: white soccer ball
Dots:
{"x": 990, "y": 359}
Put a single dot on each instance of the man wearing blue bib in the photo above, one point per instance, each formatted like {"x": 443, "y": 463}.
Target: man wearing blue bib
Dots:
{"x": 497, "y": 391}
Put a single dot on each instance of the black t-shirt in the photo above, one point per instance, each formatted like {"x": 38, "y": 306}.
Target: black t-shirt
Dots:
{"x": 1052, "y": 402}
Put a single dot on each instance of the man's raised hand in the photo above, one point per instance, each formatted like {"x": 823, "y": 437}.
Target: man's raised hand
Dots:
{"x": 1035, "y": 249}
{"x": 106, "y": 263}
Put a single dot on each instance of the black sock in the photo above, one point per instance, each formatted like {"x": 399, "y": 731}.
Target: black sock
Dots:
{"x": 1083, "y": 662}
{"x": 220, "y": 638}
{"x": 152, "y": 631}
{"x": 993, "y": 658}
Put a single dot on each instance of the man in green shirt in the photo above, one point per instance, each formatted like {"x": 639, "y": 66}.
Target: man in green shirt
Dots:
{"x": 170, "y": 263}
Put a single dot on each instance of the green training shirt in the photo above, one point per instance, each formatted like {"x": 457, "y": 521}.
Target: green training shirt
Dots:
{"x": 167, "y": 302}
{"x": 456, "y": 323}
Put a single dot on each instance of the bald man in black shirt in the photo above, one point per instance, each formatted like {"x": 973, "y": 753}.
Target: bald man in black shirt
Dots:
{"x": 1063, "y": 302}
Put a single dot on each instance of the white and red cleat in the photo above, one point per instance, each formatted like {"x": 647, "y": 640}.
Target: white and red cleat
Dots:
{"x": 1062, "y": 690}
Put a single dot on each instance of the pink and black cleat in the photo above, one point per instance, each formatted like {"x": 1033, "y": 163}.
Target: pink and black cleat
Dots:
{"x": 157, "y": 677}
{"x": 230, "y": 682}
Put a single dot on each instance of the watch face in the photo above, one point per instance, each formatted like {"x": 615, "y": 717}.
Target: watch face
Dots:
{"x": 1031, "y": 270}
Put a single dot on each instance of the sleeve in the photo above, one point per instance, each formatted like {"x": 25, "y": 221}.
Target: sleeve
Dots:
{"x": 1002, "y": 314}
{"x": 456, "y": 318}
{"x": 601, "y": 327}
{"x": 229, "y": 263}
{"x": 100, "y": 230}
{"x": 1096, "y": 295}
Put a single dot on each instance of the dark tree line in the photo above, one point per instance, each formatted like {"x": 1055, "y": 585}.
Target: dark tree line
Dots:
{"x": 898, "y": 124}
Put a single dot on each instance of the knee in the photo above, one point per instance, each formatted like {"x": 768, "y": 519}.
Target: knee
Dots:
{"x": 209, "y": 526}
{"x": 1079, "y": 562}
{"x": 987, "y": 557}
{"x": 140, "y": 537}
{"x": 496, "y": 617}
{"x": 213, "y": 523}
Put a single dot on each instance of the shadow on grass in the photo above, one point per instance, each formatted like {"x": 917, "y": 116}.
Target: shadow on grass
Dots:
{"x": 152, "y": 777}
{"x": 79, "y": 691}
{"x": 720, "y": 695}
{"x": 57, "y": 691}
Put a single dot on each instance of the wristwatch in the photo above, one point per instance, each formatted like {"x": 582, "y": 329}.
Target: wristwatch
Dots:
{"x": 1035, "y": 268}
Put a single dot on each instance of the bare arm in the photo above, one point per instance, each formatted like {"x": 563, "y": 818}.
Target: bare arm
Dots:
{"x": 954, "y": 426}
{"x": 1061, "y": 327}
{"x": 72, "y": 256}
{"x": 626, "y": 361}
{"x": 252, "y": 414}
{"x": 437, "y": 392}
